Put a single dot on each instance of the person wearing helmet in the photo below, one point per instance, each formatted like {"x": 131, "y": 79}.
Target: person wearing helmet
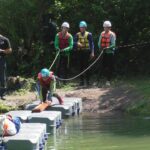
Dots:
{"x": 84, "y": 46}
{"x": 64, "y": 43}
{"x": 107, "y": 42}
{"x": 5, "y": 49}
{"x": 47, "y": 86}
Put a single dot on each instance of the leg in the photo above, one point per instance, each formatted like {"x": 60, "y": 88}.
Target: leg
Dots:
{"x": 86, "y": 64}
{"x": 81, "y": 66}
{"x": 2, "y": 77}
{"x": 59, "y": 98}
{"x": 44, "y": 93}
{"x": 65, "y": 68}
{"x": 110, "y": 67}
{"x": 62, "y": 67}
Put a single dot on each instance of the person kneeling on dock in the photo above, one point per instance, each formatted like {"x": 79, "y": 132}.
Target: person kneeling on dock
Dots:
{"x": 47, "y": 86}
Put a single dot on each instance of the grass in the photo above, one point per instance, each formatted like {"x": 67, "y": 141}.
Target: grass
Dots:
{"x": 69, "y": 86}
{"x": 5, "y": 108}
{"x": 142, "y": 86}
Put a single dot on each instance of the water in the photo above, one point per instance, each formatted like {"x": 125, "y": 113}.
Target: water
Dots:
{"x": 102, "y": 133}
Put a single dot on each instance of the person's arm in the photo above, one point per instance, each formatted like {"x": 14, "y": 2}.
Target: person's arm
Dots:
{"x": 8, "y": 51}
{"x": 56, "y": 43}
{"x": 91, "y": 43}
{"x": 75, "y": 40}
{"x": 53, "y": 85}
{"x": 8, "y": 48}
{"x": 69, "y": 48}
{"x": 99, "y": 42}
{"x": 112, "y": 41}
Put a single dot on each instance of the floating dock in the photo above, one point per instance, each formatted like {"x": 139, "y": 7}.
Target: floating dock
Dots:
{"x": 37, "y": 126}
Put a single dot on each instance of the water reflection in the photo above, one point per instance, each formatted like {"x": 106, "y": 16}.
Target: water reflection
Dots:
{"x": 102, "y": 133}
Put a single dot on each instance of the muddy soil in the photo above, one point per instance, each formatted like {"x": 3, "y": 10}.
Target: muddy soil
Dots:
{"x": 97, "y": 100}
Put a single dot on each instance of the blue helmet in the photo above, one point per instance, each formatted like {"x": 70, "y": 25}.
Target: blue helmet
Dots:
{"x": 82, "y": 24}
{"x": 45, "y": 72}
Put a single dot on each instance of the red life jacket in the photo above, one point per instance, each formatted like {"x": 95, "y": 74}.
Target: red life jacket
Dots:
{"x": 45, "y": 83}
{"x": 63, "y": 41}
{"x": 105, "y": 40}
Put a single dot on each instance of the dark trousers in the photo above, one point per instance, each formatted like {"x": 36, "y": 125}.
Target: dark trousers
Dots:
{"x": 46, "y": 95}
{"x": 2, "y": 75}
{"x": 62, "y": 70}
{"x": 107, "y": 67}
{"x": 84, "y": 60}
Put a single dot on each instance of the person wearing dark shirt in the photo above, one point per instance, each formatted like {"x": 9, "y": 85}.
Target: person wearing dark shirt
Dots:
{"x": 5, "y": 49}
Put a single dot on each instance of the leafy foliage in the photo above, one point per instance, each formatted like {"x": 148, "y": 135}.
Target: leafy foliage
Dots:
{"x": 21, "y": 22}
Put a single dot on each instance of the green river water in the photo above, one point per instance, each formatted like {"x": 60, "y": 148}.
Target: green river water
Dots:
{"x": 102, "y": 133}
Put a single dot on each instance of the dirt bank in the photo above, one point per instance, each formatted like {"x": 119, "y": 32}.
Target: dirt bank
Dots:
{"x": 98, "y": 100}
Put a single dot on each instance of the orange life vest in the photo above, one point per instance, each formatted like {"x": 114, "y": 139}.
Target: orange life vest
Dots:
{"x": 105, "y": 40}
{"x": 63, "y": 41}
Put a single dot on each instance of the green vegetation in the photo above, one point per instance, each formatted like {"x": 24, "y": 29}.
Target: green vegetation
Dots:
{"x": 22, "y": 22}
{"x": 142, "y": 86}
{"x": 4, "y": 108}
{"x": 26, "y": 86}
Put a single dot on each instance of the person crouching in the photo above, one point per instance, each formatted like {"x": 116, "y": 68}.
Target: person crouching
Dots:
{"x": 47, "y": 86}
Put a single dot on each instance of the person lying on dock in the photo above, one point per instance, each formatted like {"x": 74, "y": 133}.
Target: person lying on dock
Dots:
{"x": 9, "y": 125}
{"x": 47, "y": 86}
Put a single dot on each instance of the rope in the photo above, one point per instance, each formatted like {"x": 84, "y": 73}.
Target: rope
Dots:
{"x": 72, "y": 78}
{"x": 132, "y": 45}
{"x": 54, "y": 59}
{"x": 122, "y": 46}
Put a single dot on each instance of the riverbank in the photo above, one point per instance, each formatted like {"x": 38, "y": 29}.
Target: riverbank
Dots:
{"x": 128, "y": 95}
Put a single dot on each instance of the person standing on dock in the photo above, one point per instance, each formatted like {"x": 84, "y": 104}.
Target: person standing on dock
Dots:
{"x": 84, "y": 46}
{"x": 5, "y": 49}
{"x": 64, "y": 43}
{"x": 107, "y": 42}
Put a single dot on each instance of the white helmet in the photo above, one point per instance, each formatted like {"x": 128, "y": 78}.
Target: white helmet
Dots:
{"x": 107, "y": 24}
{"x": 65, "y": 24}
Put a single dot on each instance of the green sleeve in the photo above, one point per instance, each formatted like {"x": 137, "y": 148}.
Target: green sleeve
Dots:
{"x": 56, "y": 43}
{"x": 69, "y": 48}
{"x": 99, "y": 41}
{"x": 112, "y": 41}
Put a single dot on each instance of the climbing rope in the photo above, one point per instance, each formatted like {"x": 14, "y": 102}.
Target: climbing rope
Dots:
{"x": 81, "y": 73}
{"x": 72, "y": 78}
{"x": 54, "y": 59}
{"x": 134, "y": 45}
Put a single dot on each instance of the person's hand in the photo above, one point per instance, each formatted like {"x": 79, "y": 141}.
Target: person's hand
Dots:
{"x": 79, "y": 45}
{"x": 2, "y": 51}
{"x": 62, "y": 50}
{"x": 51, "y": 42}
{"x": 92, "y": 55}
